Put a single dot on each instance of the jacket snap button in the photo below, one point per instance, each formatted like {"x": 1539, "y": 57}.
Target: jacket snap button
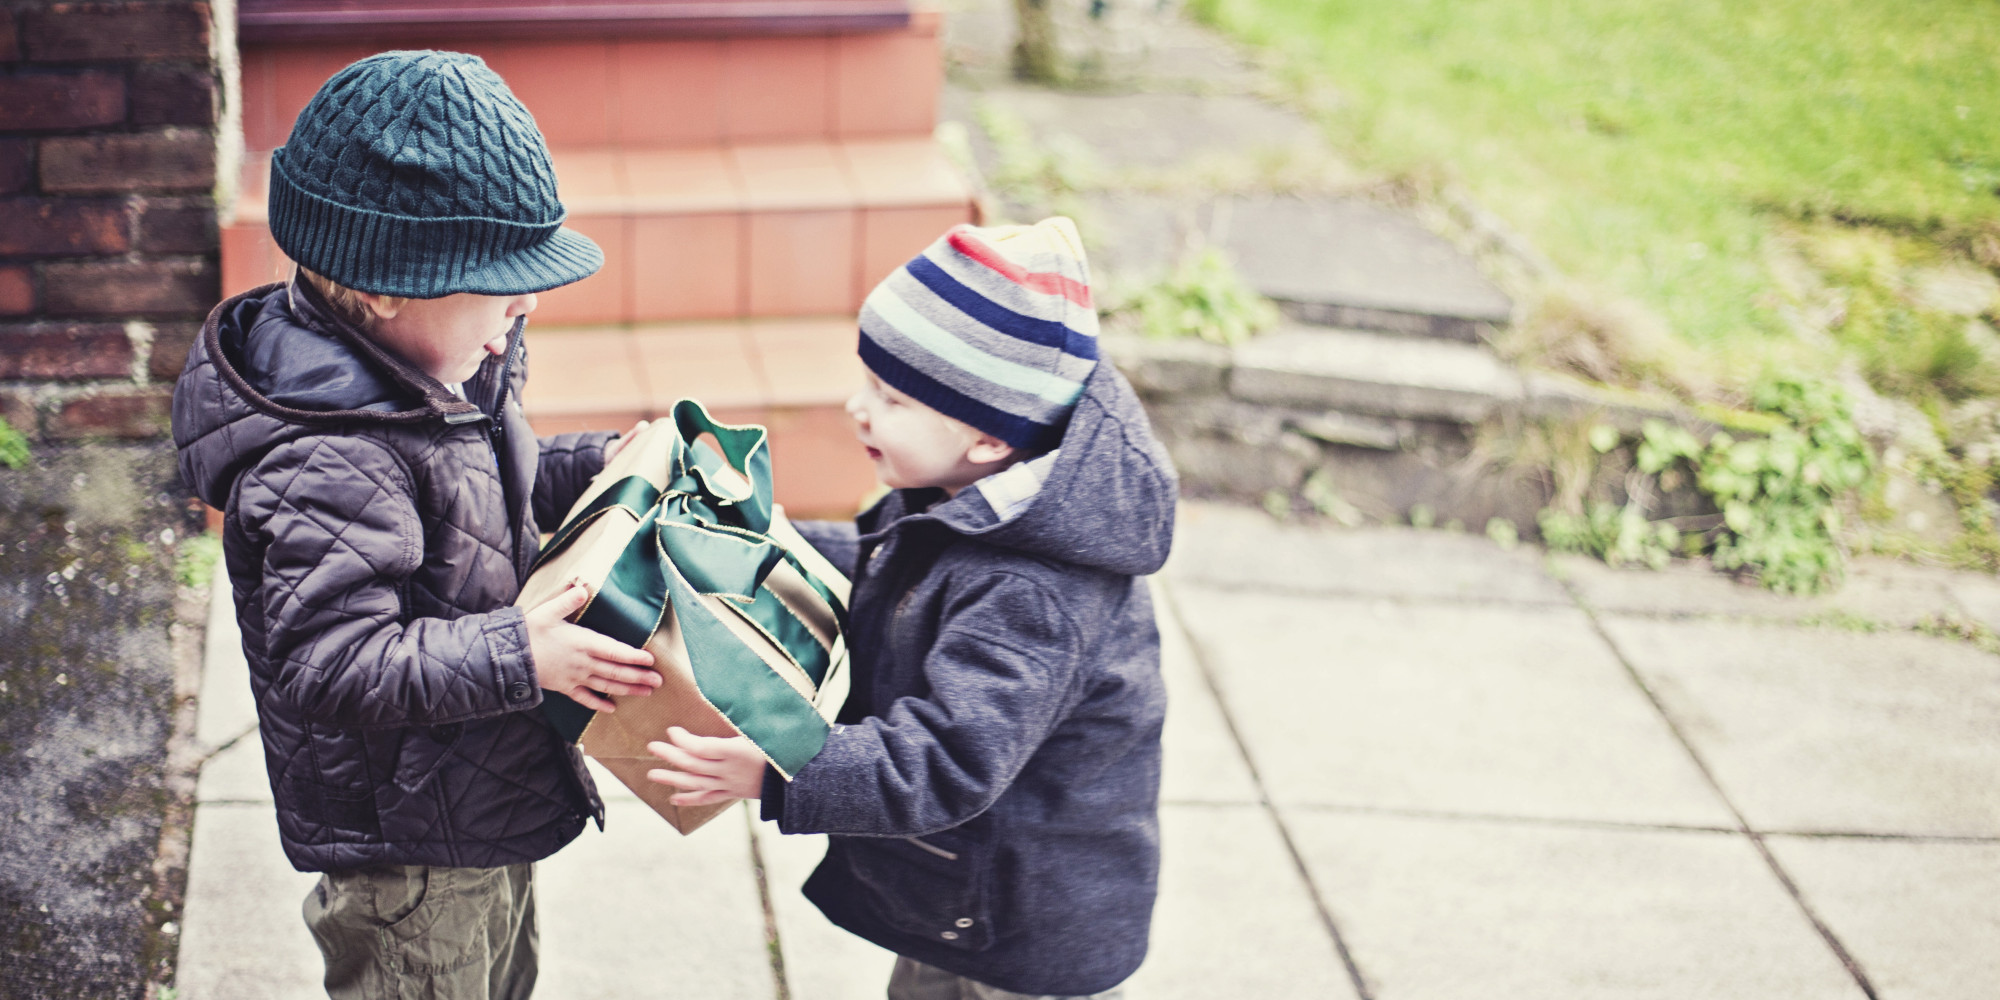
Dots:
{"x": 964, "y": 921}
{"x": 519, "y": 691}
{"x": 951, "y": 935}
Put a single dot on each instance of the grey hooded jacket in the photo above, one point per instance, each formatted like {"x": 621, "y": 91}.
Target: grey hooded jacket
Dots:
{"x": 377, "y": 528}
{"x": 993, "y": 783}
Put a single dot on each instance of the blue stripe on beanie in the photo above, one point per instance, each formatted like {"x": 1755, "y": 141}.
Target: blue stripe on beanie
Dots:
{"x": 1047, "y": 333}
{"x": 993, "y": 327}
{"x": 1017, "y": 431}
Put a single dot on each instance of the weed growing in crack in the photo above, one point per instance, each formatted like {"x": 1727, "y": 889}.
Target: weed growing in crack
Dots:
{"x": 1778, "y": 495}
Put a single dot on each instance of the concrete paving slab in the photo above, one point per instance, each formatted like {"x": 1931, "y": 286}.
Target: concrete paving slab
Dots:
{"x": 1349, "y": 252}
{"x": 1880, "y": 591}
{"x": 1202, "y": 762}
{"x": 1456, "y": 909}
{"x": 1234, "y": 919}
{"x": 1233, "y": 546}
{"x": 242, "y": 937}
{"x": 1476, "y": 710}
{"x": 226, "y": 708}
{"x": 236, "y": 774}
{"x": 1410, "y": 378}
{"x": 1826, "y": 730}
{"x": 1979, "y": 595}
{"x": 640, "y": 909}
{"x": 1328, "y": 259}
{"x": 822, "y": 962}
{"x": 1921, "y": 918}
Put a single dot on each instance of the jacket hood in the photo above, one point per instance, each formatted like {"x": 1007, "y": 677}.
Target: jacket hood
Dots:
{"x": 1105, "y": 498}
{"x": 275, "y": 362}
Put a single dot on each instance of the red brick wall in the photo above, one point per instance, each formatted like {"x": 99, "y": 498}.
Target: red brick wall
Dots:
{"x": 108, "y": 242}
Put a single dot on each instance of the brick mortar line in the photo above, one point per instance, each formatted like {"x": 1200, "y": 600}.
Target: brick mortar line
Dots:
{"x": 1756, "y": 838}
{"x": 1347, "y": 960}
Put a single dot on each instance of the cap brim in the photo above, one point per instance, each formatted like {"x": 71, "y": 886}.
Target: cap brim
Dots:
{"x": 565, "y": 257}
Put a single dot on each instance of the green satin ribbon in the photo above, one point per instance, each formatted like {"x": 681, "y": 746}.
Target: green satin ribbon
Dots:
{"x": 697, "y": 537}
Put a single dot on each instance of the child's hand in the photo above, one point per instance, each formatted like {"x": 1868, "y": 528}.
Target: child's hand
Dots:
{"x": 617, "y": 444}
{"x": 573, "y": 660}
{"x": 708, "y": 769}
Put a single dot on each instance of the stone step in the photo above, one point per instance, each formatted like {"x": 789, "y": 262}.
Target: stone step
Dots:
{"x": 1327, "y": 261}
{"x": 791, "y": 375}
{"x": 1361, "y": 423}
{"x": 603, "y": 83}
{"x": 710, "y": 232}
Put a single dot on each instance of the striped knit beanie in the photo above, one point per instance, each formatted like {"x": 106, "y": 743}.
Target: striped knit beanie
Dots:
{"x": 990, "y": 326}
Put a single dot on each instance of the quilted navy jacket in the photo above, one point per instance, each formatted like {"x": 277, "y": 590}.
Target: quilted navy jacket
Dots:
{"x": 993, "y": 784}
{"x": 377, "y": 528}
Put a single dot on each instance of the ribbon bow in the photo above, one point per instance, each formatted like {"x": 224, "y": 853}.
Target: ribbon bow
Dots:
{"x": 705, "y": 533}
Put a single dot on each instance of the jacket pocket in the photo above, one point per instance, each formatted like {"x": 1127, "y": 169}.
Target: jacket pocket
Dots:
{"x": 937, "y": 887}
{"x": 419, "y": 753}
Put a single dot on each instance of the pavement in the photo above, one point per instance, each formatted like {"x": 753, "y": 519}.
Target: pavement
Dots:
{"x": 1400, "y": 765}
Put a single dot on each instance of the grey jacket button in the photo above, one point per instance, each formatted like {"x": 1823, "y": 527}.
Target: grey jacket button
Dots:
{"x": 519, "y": 691}
{"x": 950, "y": 935}
{"x": 964, "y": 921}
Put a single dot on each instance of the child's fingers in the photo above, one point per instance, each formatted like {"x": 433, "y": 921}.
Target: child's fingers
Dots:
{"x": 615, "y": 689}
{"x": 638, "y": 677}
{"x": 565, "y": 604}
{"x": 604, "y": 647}
{"x": 705, "y": 747}
{"x": 709, "y": 797}
{"x": 682, "y": 760}
{"x": 680, "y": 779}
{"x": 591, "y": 699}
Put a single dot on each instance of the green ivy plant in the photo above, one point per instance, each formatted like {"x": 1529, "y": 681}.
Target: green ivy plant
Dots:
{"x": 13, "y": 447}
{"x": 1778, "y": 494}
{"x": 1204, "y": 297}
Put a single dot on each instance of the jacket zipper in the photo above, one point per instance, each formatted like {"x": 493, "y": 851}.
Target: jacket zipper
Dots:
{"x": 934, "y": 849}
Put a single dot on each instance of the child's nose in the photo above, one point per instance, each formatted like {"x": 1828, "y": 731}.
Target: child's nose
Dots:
{"x": 854, "y": 408}
{"x": 524, "y": 305}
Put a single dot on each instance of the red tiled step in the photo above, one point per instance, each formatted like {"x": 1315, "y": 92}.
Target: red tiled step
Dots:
{"x": 717, "y": 232}
{"x": 395, "y": 20}
{"x": 791, "y": 375}
{"x": 614, "y": 89}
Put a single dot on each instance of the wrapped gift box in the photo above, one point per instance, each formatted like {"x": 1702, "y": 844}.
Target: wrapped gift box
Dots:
{"x": 685, "y": 555}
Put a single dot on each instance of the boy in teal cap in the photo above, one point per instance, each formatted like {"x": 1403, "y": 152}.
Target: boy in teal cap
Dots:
{"x": 360, "y": 428}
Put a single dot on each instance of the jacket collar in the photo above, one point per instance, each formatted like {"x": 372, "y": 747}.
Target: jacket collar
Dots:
{"x": 311, "y": 309}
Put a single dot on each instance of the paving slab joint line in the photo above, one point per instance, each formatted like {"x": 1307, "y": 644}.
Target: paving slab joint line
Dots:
{"x": 1326, "y": 917}
{"x": 1886, "y": 838}
{"x": 1352, "y": 594}
{"x": 1559, "y": 822}
{"x": 210, "y": 753}
{"x": 782, "y": 989}
{"x": 1791, "y": 887}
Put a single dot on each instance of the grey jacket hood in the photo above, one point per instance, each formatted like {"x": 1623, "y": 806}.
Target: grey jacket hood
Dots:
{"x": 1104, "y": 498}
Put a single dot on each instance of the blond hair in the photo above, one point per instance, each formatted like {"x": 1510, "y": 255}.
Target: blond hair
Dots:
{"x": 346, "y": 302}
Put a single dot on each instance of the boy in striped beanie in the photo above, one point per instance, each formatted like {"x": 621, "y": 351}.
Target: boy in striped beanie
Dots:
{"x": 993, "y": 785}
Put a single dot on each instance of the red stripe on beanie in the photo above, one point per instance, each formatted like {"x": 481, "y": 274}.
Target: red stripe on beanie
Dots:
{"x": 1047, "y": 282}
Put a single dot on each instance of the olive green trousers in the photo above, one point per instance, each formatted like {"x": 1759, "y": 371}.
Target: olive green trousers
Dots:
{"x": 397, "y": 932}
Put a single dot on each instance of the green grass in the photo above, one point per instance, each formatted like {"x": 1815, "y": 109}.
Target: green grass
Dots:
{"x": 1660, "y": 149}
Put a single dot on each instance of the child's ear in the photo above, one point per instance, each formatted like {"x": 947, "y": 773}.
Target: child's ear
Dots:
{"x": 987, "y": 449}
{"x": 383, "y": 306}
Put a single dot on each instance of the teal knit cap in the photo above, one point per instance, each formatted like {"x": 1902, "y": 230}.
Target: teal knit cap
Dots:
{"x": 419, "y": 174}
